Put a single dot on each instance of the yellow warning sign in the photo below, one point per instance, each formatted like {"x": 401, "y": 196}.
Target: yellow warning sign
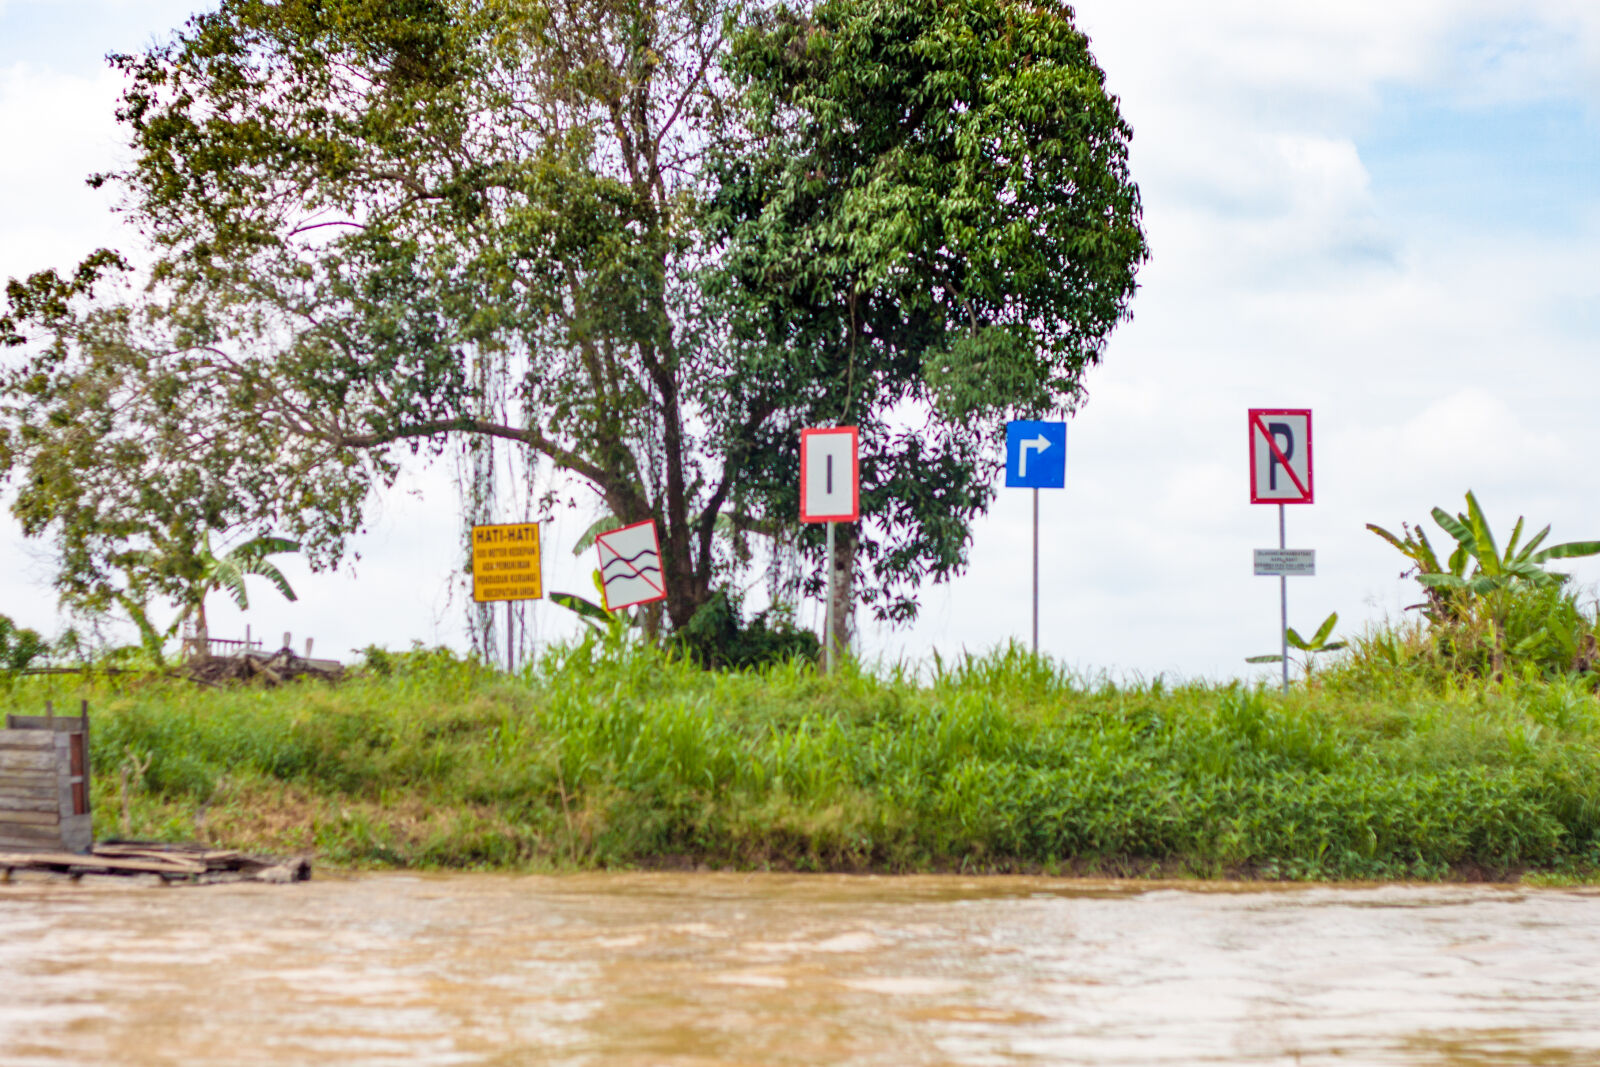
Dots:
{"x": 505, "y": 562}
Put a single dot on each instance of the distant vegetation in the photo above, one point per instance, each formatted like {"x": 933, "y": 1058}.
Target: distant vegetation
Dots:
{"x": 615, "y": 754}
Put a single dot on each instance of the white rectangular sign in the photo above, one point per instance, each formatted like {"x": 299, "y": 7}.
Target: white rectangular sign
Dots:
{"x": 830, "y": 489}
{"x": 1294, "y": 562}
{"x": 1280, "y": 456}
{"x": 630, "y": 566}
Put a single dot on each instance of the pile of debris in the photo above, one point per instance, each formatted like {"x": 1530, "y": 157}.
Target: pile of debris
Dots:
{"x": 171, "y": 863}
{"x": 258, "y": 668}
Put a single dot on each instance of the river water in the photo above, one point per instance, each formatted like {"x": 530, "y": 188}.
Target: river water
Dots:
{"x": 714, "y": 969}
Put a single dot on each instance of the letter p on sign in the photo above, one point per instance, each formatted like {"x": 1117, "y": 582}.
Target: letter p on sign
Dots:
{"x": 1280, "y": 456}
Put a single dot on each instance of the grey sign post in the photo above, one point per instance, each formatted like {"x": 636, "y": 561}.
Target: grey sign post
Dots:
{"x": 1036, "y": 458}
{"x": 1280, "y": 473}
{"x": 830, "y": 492}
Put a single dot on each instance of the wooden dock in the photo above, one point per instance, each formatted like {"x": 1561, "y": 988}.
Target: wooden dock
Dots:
{"x": 194, "y": 864}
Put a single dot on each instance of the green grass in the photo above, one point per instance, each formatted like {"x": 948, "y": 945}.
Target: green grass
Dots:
{"x": 1001, "y": 762}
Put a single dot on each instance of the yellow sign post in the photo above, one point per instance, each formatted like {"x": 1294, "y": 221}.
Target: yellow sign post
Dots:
{"x": 505, "y": 566}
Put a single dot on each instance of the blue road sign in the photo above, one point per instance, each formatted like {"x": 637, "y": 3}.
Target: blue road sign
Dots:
{"x": 1036, "y": 455}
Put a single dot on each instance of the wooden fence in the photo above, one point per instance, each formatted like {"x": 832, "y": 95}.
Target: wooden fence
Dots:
{"x": 44, "y": 782}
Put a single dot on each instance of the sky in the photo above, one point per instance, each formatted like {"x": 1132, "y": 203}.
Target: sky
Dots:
{"x": 1387, "y": 212}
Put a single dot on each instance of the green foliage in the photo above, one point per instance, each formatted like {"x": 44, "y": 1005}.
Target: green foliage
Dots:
{"x": 1490, "y": 610}
{"x": 625, "y": 755}
{"x": 19, "y": 646}
{"x": 717, "y": 637}
{"x": 1319, "y": 643}
{"x": 936, "y": 216}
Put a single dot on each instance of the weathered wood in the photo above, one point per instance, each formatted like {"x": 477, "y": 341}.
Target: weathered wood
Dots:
{"x": 189, "y": 862}
{"x": 77, "y": 833}
{"x": 65, "y": 724}
{"x": 21, "y": 760}
{"x": 30, "y": 740}
{"x": 35, "y": 803}
{"x": 37, "y": 800}
{"x": 30, "y": 818}
{"x": 196, "y": 853}
{"x": 28, "y": 782}
{"x": 92, "y": 862}
{"x": 30, "y": 837}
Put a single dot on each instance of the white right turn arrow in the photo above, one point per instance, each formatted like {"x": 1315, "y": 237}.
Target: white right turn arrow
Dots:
{"x": 1037, "y": 444}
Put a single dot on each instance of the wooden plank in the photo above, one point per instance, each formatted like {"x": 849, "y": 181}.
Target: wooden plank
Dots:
{"x": 21, "y": 760}
{"x": 26, "y": 739}
{"x": 34, "y": 803}
{"x": 33, "y": 782}
{"x": 63, "y": 723}
{"x": 29, "y": 837}
{"x": 30, "y": 818}
{"x": 32, "y": 800}
{"x": 104, "y": 863}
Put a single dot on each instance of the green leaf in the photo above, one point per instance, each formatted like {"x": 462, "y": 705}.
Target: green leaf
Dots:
{"x": 1264, "y": 659}
{"x": 603, "y": 524}
{"x": 1325, "y": 629}
{"x": 1511, "y": 545}
{"x": 1484, "y": 550}
{"x": 1538, "y": 539}
{"x": 1457, "y": 528}
{"x": 586, "y": 609}
{"x": 1569, "y": 550}
{"x": 1295, "y": 640}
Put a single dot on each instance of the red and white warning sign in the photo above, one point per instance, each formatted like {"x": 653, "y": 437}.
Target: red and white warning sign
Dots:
{"x": 830, "y": 486}
{"x": 630, "y": 566}
{"x": 1280, "y": 456}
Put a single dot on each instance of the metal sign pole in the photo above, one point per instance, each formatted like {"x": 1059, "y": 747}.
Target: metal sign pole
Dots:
{"x": 511, "y": 641}
{"x": 1036, "y": 572}
{"x": 827, "y": 610}
{"x": 1283, "y": 604}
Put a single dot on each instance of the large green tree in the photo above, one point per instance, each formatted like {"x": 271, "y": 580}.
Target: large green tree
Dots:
{"x": 934, "y": 231}
{"x": 645, "y": 240}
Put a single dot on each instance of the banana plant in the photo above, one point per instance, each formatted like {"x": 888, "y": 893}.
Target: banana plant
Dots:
{"x": 1478, "y": 566}
{"x": 1480, "y": 579}
{"x": 611, "y": 625}
{"x": 227, "y": 572}
{"x": 1319, "y": 643}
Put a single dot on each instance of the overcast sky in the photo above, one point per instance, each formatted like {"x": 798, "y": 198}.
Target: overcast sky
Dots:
{"x": 1388, "y": 212}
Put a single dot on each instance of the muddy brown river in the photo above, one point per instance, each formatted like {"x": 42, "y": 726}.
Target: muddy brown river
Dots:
{"x": 703, "y": 969}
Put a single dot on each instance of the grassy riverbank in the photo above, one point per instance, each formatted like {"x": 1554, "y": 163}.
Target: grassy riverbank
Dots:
{"x": 1000, "y": 763}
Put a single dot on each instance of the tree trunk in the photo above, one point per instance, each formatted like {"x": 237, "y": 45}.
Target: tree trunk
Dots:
{"x": 202, "y": 632}
{"x": 844, "y": 589}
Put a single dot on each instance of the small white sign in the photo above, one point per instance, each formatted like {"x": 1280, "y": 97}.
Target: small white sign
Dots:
{"x": 630, "y": 566}
{"x": 1293, "y": 562}
{"x": 829, "y": 486}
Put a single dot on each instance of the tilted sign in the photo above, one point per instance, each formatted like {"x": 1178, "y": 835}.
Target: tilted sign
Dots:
{"x": 630, "y": 566}
{"x": 505, "y": 562}
{"x": 830, "y": 487}
{"x": 1036, "y": 455}
{"x": 1280, "y": 456}
{"x": 1290, "y": 562}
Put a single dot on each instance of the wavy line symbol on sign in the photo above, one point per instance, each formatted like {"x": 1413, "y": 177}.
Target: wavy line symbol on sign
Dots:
{"x": 630, "y": 566}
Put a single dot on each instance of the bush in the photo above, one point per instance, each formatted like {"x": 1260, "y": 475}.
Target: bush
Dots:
{"x": 716, "y": 638}
{"x": 19, "y": 646}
